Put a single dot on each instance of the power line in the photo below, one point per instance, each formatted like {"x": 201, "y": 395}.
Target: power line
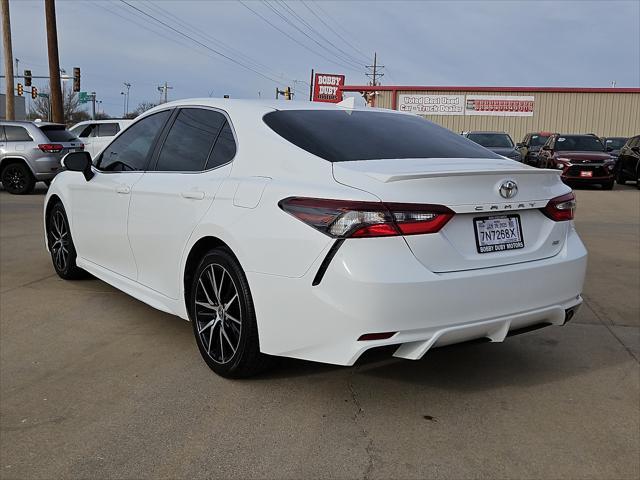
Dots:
{"x": 197, "y": 31}
{"x": 347, "y": 56}
{"x": 179, "y": 32}
{"x": 289, "y": 22}
{"x": 321, "y": 9}
{"x": 347, "y": 42}
{"x": 292, "y": 38}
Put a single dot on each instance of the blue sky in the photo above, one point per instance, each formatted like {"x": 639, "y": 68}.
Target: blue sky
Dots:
{"x": 501, "y": 43}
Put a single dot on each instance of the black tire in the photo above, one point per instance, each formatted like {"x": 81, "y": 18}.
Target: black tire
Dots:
{"x": 63, "y": 251}
{"x": 225, "y": 328}
{"x": 608, "y": 185}
{"x": 620, "y": 178}
{"x": 17, "y": 179}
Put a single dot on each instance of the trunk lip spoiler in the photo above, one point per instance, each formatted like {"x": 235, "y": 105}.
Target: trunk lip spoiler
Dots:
{"x": 395, "y": 177}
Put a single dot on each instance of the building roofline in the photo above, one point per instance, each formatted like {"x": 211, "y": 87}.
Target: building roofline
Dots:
{"x": 413, "y": 88}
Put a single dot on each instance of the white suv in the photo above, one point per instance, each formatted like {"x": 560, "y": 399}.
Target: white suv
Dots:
{"x": 96, "y": 134}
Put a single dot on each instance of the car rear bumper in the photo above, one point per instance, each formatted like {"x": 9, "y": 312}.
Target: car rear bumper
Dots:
{"x": 377, "y": 285}
{"x": 46, "y": 167}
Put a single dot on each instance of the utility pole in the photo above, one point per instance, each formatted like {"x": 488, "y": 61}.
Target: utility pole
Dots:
{"x": 126, "y": 108}
{"x": 164, "y": 90}
{"x": 8, "y": 60}
{"x": 93, "y": 105}
{"x": 375, "y": 76}
{"x": 55, "y": 91}
{"x": 311, "y": 86}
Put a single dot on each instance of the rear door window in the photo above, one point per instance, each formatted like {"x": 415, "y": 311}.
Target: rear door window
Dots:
{"x": 16, "y": 134}
{"x": 190, "y": 140}
{"x": 108, "y": 129}
{"x": 83, "y": 131}
{"x": 348, "y": 135}
{"x": 224, "y": 149}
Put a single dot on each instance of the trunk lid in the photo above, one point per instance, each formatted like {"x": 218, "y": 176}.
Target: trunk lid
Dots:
{"x": 469, "y": 187}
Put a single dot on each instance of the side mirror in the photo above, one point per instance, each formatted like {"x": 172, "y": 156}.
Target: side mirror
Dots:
{"x": 609, "y": 149}
{"x": 79, "y": 162}
{"x": 635, "y": 149}
{"x": 519, "y": 145}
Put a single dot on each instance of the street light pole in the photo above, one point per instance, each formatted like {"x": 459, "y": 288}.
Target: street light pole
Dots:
{"x": 124, "y": 103}
{"x": 126, "y": 108}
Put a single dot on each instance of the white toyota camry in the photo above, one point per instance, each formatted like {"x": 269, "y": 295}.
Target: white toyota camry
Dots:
{"x": 317, "y": 231}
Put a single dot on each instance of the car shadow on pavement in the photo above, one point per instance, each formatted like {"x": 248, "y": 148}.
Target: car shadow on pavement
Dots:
{"x": 531, "y": 359}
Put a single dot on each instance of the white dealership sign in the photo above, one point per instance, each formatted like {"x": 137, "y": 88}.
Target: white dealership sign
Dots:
{"x": 431, "y": 104}
{"x": 499, "y": 105}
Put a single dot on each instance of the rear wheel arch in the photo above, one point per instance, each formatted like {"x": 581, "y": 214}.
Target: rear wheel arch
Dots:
{"x": 52, "y": 202}
{"x": 197, "y": 252}
{"x": 10, "y": 160}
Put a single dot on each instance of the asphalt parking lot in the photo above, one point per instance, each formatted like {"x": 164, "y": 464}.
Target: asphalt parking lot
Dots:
{"x": 94, "y": 384}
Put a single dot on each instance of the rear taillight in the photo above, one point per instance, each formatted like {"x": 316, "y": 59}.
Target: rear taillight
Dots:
{"x": 561, "y": 208}
{"x": 51, "y": 147}
{"x": 344, "y": 218}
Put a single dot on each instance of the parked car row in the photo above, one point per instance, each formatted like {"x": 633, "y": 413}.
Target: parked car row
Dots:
{"x": 583, "y": 158}
{"x": 31, "y": 152}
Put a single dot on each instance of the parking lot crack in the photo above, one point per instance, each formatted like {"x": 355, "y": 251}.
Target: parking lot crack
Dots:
{"x": 608, "y": 326}
{"x": 358, "y": 419}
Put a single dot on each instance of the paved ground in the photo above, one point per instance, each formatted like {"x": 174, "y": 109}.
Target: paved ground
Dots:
{"x": 95, "y": 384}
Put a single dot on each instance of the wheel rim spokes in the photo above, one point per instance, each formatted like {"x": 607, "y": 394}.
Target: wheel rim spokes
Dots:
{"x": 59, "y": 240}
{"x": 218, "y": 315}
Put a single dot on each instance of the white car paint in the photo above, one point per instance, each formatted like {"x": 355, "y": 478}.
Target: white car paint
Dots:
{"x": 135, "y": 231}
{"x": 94, "y": 140}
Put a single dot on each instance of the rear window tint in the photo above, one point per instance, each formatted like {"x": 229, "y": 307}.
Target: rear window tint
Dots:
{"x": 16, "y": 134}
{"x": 108, "y": 129}
{"x": 342, "y": 136}
{"x": 58, "y": 133}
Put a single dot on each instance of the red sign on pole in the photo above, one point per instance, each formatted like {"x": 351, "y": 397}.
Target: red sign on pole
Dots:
{"x": 328, "y": 88}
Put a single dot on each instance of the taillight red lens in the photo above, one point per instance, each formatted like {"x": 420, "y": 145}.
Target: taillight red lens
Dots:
{"x": 561, "y": 208}
{"x": 51, "y": 147}
{"x": 344, "y": 218}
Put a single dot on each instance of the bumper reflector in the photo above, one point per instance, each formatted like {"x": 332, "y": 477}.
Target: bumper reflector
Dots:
{"x": 376, "y": 336}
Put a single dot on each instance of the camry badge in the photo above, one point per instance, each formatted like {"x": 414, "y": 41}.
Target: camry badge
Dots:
{"x": 508, "y": 189}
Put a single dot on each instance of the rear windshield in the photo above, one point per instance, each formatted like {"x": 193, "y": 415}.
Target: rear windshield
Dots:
{"x": 57, "y": 133}
{"x": 343, "y": 136}
{"x": 491, "y": 139}
{"x": 579, "y": 143}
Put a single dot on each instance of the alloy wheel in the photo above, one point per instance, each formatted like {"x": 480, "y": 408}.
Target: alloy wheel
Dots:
{"x": 59, "y": 232}
{"x": 14, "y": 178}
{"x": 218, "y": 314}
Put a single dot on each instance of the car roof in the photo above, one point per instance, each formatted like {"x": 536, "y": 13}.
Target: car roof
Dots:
{"x": 25, "y": 123}
{"x": 261, "y": 107}
{"x": 487, "y": 131}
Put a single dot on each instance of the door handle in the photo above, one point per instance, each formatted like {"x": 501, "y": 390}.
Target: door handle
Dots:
{"x": 194, "y": 195}
{"x": 123, "y": 189}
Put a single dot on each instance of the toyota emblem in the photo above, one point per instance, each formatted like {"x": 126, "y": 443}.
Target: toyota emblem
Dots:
{"x": 508, "y": 189}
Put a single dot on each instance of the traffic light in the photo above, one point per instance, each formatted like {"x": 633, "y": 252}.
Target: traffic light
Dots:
{"x": 76, "y": 79}
{"x": 34, "y": 92}
{"x": 287, "y": 93}
{"x": 20, "y": 89}
{"x": 27, "y": 78}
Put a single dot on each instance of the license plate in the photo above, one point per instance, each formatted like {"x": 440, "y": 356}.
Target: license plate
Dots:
{"x": 499, "y": 233}
{"x": 586, "y": 173}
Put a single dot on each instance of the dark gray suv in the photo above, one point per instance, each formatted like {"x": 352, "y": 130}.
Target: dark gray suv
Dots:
{"x": 31, "y": 152}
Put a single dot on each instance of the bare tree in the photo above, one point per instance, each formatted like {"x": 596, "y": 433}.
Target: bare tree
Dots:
{"x": 70, "y": 107}
{"x": 141, "y": 108}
